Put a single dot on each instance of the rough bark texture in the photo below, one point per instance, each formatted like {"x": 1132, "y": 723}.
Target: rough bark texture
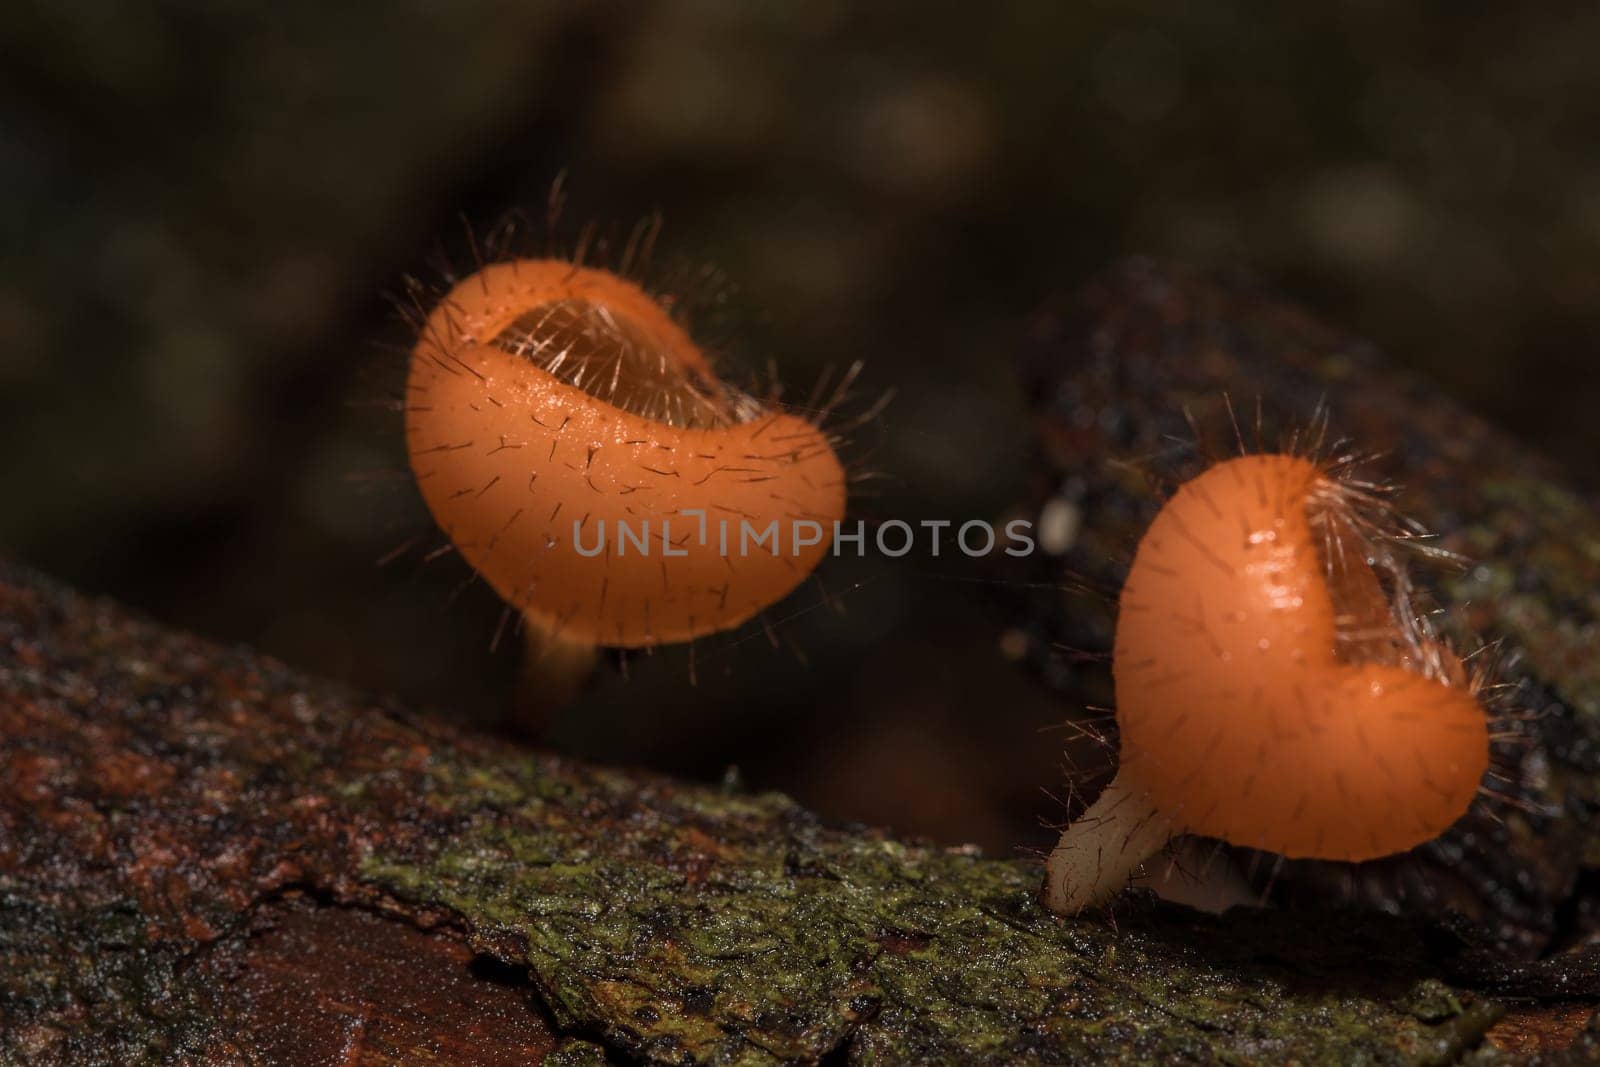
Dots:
{"x": 207, "y": 857}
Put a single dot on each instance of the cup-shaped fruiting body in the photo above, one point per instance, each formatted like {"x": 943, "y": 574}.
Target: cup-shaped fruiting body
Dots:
{"x": 573, "y": 442}
{"x": 1268, "y": 693}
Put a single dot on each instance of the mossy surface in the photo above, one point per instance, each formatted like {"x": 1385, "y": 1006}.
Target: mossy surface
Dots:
{"x": 692, "y": 925}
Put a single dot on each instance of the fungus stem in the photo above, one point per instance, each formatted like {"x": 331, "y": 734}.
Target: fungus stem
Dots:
{"x": 554, "y": 670}
{"x": 1098, "y": 853}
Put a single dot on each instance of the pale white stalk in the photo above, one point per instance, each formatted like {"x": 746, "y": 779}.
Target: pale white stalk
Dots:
{"x": 1097, "y": 854}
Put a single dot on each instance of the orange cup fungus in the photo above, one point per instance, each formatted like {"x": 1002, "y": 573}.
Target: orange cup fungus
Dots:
{"x": 573, "y": 442}
{"x": 1268, "y": 692}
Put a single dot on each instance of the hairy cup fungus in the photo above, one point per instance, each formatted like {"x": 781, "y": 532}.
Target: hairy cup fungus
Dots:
{"x": 1271, "y": 691}
{"x": 573, "y": 442}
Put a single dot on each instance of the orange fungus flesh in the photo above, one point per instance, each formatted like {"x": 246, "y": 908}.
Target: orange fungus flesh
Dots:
{"x": 1246, "y": 711}
{"x": 549, "y": 405}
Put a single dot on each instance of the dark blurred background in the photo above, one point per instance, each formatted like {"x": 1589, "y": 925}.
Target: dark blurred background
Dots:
{"x": 206, "y": 203}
